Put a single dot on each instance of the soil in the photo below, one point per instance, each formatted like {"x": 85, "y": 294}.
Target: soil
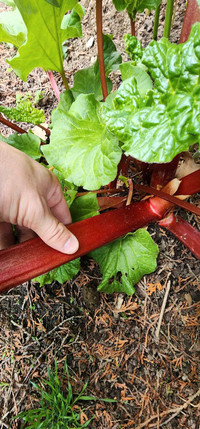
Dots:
{"x": 110, "y": 341}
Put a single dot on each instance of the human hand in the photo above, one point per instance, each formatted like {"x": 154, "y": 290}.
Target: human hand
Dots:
{"x": 31, "y": 198}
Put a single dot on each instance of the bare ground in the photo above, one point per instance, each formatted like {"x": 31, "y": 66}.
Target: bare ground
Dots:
{"x": 110, "y": 340}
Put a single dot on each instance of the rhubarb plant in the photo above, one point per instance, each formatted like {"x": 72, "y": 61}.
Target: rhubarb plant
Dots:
{"x": 152, "y": 117}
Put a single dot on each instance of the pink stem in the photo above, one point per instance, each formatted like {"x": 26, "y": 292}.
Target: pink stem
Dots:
{"x": 185, "y": 232}
{"x": 54, "y": 85}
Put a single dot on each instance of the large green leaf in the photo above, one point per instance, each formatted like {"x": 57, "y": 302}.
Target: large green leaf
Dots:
{"x": 81, "y": 147}
{"x": 125, "y": 261}
{"x": 87, "y": 81}
{"x": 24, "y": 112}
{"x": 12, "y": 28}
{"x": 28, "y": 143}
{"x": 45, "y": 37}
{"x": 165, "y": 122}
{"x": 84, "y": 207}
{"x": 61, "y": 274}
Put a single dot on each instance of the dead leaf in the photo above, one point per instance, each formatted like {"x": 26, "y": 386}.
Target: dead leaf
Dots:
{"x": 186, "y": 165}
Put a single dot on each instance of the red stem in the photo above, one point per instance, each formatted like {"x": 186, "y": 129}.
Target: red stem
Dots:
{"x": 132, "y": 27}
{"x": 185, "y": 232}
{"x": 170, "y": 198}
{"x": 11, "y": 125}
{"x": 33, "y": 257}
{"x": 163, "y": 173}
{"x": 54, "y": 85}
{"x": 190, "y": 184}
{"x": 100, "y": 48}
{"x": 192, "y": 15}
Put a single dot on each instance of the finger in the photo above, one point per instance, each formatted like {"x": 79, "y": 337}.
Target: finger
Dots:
{"x": 59, "y": 206}
{"x": 24, "y": 233}
{"x": 6, "y": 235}
{"x": 53, "y": 232}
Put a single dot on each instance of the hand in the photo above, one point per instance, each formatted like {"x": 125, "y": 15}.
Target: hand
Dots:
{"x": 31, "y": 198}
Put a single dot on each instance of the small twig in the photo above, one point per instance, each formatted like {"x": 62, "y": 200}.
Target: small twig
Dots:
{"x": 3, "y": 424}
{"x": 100, "y": 191}
{"x": 183, "y": 407}
{"x": 130, "y": 192}
{"x": 163, "y": 309}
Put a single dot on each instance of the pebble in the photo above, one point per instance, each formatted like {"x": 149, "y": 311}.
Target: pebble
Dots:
{"x": 90, "y": 42}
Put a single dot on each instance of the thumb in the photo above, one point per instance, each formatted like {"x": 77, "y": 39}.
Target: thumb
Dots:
{"x": 55, "y": 234}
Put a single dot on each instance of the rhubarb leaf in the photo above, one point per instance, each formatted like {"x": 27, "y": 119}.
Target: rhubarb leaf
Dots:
{"x": 84, "y": 207}
{"x": 12, "y": 28}
{"x": 61, "y": 274}
{"x": 24, "y": 112}
{"x": 166, "y": 121}
{"x": 87, "y": 81}
{"x": 81, "y": 147}
{"x": 45, "y": 37}
{"x": 125, "y": 261}
{"x": 134, "y": 6}
{"x": 69, "y": 189}
{"x": 71, "y": 23}
{"x": 144, "y": 82}
{"x": 28, "y": 143}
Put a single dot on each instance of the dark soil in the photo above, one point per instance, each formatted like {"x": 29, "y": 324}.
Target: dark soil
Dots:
{"x": 109, "y": 340}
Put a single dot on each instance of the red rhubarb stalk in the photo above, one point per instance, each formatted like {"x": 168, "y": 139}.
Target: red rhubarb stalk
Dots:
{"x": 33, "y": 257}
{"x": 12, "y": 126}
{"x": 192, "y": 15}
{"x": 185, "y": 232}
{"x": 54, "y": 85}
{"x": 190, "y": 184}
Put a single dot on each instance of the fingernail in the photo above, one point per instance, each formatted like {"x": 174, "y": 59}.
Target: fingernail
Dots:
{"x": 71, "y": 245}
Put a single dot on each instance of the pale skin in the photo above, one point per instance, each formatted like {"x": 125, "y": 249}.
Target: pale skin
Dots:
{"x": 31, "y": 198}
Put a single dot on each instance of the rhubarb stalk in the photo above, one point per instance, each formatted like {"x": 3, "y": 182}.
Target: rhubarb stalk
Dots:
{"x": 185, "y": 232}
{"x": 33, "y": 257}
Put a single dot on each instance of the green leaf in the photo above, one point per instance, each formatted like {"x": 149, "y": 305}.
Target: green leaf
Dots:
{"x": 144, "y": 82}
{"x": 69, "y": 189}
{"x": 134, "y": 6}
{"x": 166, "y": 121}
{"x": 45, "y": 37}
{"x": 61, "y": 274}
{"x": 133, "y": 47}
{"x": 12, "y": 28}
{"x": 81, "y": 147}
{"x": 66, "y": 100}
{"x": 125, "y": 261}
{"x": 28, "y": 143}
{"x": 53, "y": 3}
{"x": 87, "y": 81}
{"x": 119, "y": 4}
{"x": 71, "y": 23}
{"x": 84, "y": 207}
{"x": 24, "y": 112}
